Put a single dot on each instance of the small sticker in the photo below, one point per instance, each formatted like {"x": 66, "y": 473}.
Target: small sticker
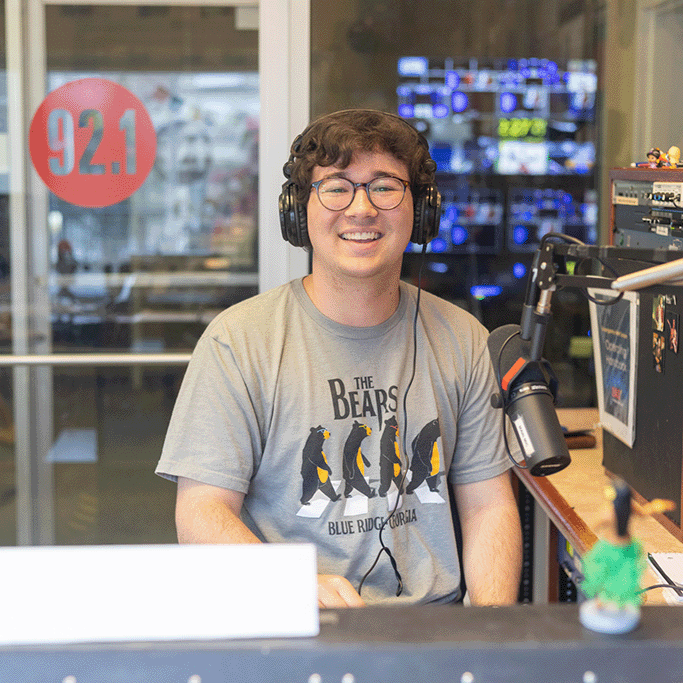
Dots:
{"x": 658, "y": 346}
{"x": 626, "y": 201}
{"x": 673, "y": 323}
{"x": 658, "y": 310}
{"x": 523, "y": 436}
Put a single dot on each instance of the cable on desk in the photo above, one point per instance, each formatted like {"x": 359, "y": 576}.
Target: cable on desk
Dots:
{"x": 674, "y": 586}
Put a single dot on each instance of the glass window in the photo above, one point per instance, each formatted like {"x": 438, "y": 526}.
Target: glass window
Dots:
{"x": 508, "y": 97}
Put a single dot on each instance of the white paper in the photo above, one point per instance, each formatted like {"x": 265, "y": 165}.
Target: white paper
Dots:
{"x": 672, "y": 564}
{"x": 157, "y": 592}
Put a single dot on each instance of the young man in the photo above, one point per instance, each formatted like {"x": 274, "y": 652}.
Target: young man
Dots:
{"x": 325, "y": 410}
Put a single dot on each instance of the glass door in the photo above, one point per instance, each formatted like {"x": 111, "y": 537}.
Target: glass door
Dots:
{"x": 108, "y": 297}
{"x": 146, "y": 275}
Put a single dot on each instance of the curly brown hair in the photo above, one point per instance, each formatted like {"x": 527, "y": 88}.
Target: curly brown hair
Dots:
{"x": 334, "y": 139}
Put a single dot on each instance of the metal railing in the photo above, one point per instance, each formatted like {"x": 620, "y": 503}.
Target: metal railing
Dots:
{"x": 95, "y": 359}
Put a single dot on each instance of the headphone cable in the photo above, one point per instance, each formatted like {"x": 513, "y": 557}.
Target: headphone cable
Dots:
{"x": 384, "y": 548}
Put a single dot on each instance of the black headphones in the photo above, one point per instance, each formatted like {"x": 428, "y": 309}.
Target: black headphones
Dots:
{"x": 427, "y": 204}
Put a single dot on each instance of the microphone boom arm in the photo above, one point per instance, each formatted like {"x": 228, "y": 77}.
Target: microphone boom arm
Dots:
{"x": 545, "y": 279}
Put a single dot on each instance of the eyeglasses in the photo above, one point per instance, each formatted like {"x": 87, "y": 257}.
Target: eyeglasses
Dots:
{"x": 337, "y": 194}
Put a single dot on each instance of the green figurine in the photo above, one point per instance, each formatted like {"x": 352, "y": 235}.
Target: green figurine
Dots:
{"x": 614, "y": 567}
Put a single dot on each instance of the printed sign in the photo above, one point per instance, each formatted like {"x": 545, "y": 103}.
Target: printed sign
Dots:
{"x": 615, "y": 348}
{"x": 92, "y": 142}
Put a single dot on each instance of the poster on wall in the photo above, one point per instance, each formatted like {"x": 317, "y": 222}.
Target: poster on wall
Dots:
{"x": 615, "y": 350}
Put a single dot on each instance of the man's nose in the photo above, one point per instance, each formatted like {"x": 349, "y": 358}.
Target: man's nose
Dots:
{"x": 361, "y": 203}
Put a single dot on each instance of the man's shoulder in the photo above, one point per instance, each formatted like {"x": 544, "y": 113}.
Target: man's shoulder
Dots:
{"x": 256, "y": 311}
{"x": 449, "y": 312}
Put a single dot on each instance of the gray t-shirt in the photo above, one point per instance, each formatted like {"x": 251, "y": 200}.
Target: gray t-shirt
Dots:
{"x": 306, "y": 417}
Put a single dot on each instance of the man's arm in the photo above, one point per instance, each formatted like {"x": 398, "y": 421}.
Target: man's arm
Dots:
{"x": 492, "y": 540}
{"x": 210, "y": 514}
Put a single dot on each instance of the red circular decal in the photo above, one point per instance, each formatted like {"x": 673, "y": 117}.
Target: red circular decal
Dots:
{"x": 92, "y": 142}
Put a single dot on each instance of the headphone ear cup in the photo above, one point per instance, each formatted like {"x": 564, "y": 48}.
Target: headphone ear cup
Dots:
{"x": 427, "y": 215}
{"x": 301, "y": 225}
{"x": 287, "y": 210}
{"x": 292, "y": 217}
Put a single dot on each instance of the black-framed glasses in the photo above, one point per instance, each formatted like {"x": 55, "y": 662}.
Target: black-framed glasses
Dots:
{"x": 336, "y": 193}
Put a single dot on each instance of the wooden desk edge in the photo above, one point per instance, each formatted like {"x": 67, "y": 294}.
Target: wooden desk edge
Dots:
{"x": 561, "y": 514}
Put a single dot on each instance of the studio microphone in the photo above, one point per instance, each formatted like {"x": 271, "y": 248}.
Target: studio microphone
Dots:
{"x": 528, "y": 389}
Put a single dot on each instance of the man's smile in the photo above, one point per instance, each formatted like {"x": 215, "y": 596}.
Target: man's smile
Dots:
{"x": 365, "y": 236}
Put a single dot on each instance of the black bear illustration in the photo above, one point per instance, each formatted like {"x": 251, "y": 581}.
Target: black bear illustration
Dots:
{"x": 426, "y": 461}
{"x": 389, "y": 457}
{"x": 314, "y": 468}
{"x": 355, "y": 462}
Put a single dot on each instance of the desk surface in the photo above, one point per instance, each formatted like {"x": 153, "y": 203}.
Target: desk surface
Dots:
{"x": 574, "y": 499}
